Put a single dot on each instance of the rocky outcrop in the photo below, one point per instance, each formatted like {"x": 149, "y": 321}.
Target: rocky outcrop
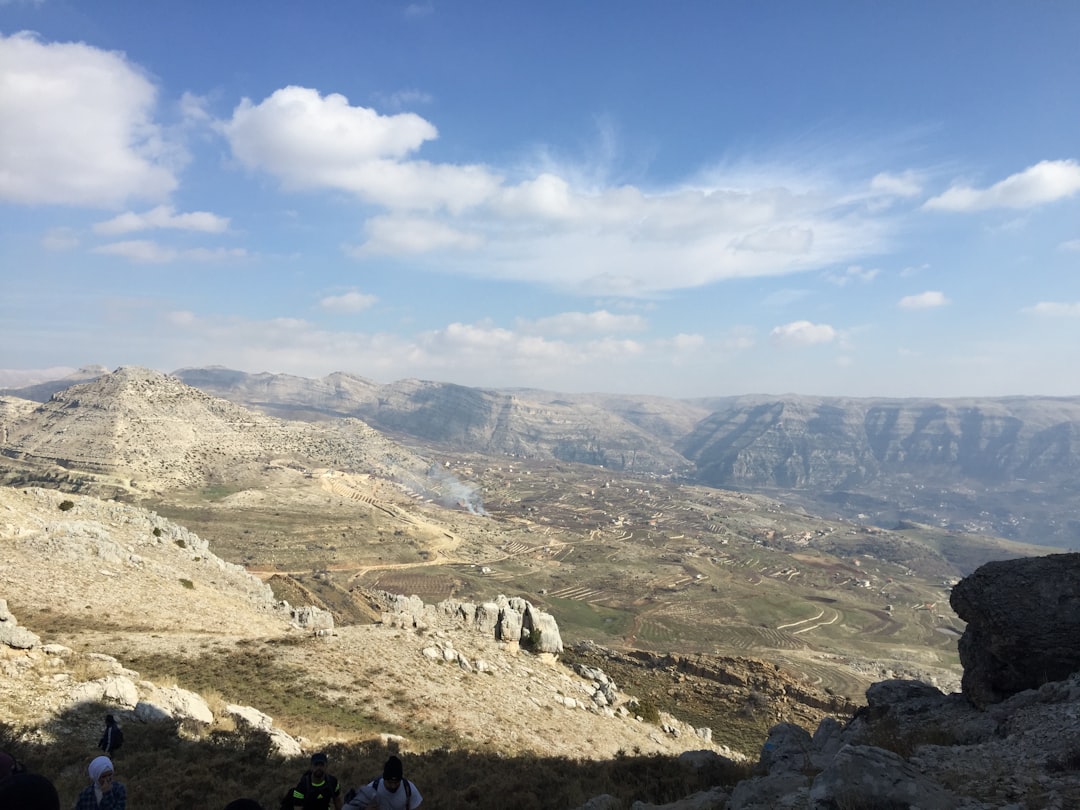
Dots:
{"x": 12, "y": 634}
{"x": 1023, "y": 625}
{"x": 510, "y": 619}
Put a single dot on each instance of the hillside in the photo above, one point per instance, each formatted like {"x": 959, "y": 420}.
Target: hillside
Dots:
{"x": 997, "y": 466}
{"x": 634, "y": 562}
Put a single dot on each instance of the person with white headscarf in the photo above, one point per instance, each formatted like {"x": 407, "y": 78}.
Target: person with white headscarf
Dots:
{"x": 102, "y": 793}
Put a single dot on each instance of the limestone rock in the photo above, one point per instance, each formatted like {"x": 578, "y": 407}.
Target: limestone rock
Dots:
{"x": 11, "y": 634}
{"x": 1023, "y": 625}
{"x": 162, "y": 702}
{"x": 875, "y": 777}
{"x": 714, "y": 799}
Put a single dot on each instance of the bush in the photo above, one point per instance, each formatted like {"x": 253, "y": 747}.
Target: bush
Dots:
{"x": 646, "y": 711}
{"x": 187, "y": 583}
{"x": 66, "y": 505}
{"x": 157, "y": 532}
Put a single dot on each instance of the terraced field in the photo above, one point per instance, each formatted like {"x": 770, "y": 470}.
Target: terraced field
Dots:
{"x": 635, "y": 563}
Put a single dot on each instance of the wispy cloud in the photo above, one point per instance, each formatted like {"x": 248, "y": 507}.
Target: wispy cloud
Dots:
{"x": 1044, "y": 182}
{"x": 925, "y": 300}
{"x": 854, "y": 273}
{"x": 1054, "y": 309}
{"x": 146, "y": 251}
{"x": 802, "y": 333}
{"x": 906, "y": 184}
{"x": 352, "y": 301}
{"x": 1071, "y": 246}
{"x": 163, "y": 216}
{"x": 560, "y": 227}
{"x": 573, "y": 324}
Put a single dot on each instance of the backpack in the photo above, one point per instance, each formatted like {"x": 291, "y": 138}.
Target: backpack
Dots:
{"x": 375, "y": 783}
{"x": 287, "y": 801}
{"x": 405, "y": 784}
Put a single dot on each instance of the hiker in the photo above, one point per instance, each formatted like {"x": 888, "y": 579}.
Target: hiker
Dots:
{"x": 112, "y": 738}
{"x": 391, "y": 791}
{"x": 317, "y": 789}
{"x": 102, "y": 793}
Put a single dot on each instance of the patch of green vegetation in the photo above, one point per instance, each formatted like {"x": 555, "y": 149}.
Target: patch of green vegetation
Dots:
{"x": 187, "y": 583}
{"x": 66, "y": 505}
{"x": 586, "y": 620}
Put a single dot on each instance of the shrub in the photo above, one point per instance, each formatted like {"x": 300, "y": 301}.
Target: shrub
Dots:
{"x": 180, "y": 542}
{"x": 157, "y": 532}
{"x": 646, "y": 711}
{"x": 66, "y": 505}
{"x": 187, "y": 583}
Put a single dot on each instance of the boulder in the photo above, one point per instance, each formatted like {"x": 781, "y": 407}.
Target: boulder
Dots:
{"x": 865, "y": 776}
{"x": 550, "y": 640}
{"x": 162, "y": 702}
{"x": 1023, "y": 622}
{"x": 12, "y": 634}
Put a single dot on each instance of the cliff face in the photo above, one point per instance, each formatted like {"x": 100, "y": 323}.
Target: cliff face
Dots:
{"x": 619, "y": 433}
{"x": 804, "y": 442}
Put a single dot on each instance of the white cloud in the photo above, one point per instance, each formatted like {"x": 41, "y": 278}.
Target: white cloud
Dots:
{"x": 802, "y": 333}
{"x": 352, "y": 301}
{"x": 573, "y": 324}
{"x": 905, "y": 184}
{"x": 683, "y": 342}
{"x": 164, "y": 216}
{"x": 853, "y": 273}
{"x": 926, "y": 300}
{"x": 78, "y": 127}
{"x": 579, "y": 235}
{"x": 1044, "y": 182}
{"x": 1071, "y": 246}
{"x": 398, "y": 235}
{"x": 146, "y": 251}
{"x": 1054, "y": 309}
{"x": 310, "y": 142}
{"x": 790, "y": 239}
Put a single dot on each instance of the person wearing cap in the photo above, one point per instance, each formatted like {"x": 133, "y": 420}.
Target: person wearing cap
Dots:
{"x": 317, "y": 789}
{"x": 391, "y": 791}
{"x": 102, "y": 793}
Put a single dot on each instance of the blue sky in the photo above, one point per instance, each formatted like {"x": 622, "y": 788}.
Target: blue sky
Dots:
{"x": 683, "y": 199}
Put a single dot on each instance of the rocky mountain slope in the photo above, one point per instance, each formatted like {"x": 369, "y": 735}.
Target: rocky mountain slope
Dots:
{"x": 93, "y": 585}
{"x": 1004, "y": 466}
{"x": 144, "y": 430}
{"x": 618, "y": 433}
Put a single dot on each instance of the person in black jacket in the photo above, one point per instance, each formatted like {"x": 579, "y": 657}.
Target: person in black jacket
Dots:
{"x": 317, "y": 790}
{"x": 113, "y": 737}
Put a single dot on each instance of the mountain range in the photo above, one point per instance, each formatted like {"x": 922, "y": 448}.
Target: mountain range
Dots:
{"x": 1007, "y": 466}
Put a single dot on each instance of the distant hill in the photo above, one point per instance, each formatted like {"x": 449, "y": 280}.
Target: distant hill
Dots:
{"x": 1007, "y": 466}
{"x": 622, "y": 433}
{"x": 152, "y": 432}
